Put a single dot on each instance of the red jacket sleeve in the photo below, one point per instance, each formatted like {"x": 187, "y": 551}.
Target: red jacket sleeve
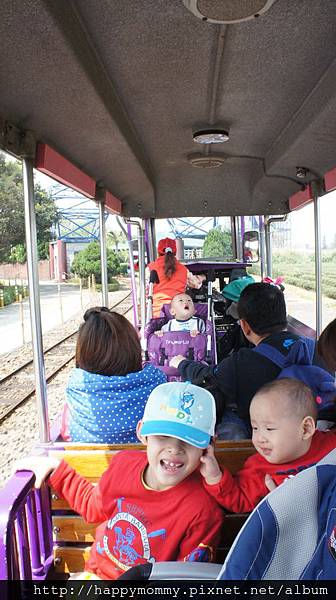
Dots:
{"x": 202, "y": 539}
{"x": 83, "y": 497}
{"x": 242, "y": 492}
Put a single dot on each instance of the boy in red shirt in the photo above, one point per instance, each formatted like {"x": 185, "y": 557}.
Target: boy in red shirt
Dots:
{"x": 283, "y": 417}
{"x": 151, "y": 505}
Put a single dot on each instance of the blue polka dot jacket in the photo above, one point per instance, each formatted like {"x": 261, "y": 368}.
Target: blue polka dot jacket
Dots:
{"x": 106, "y": 409}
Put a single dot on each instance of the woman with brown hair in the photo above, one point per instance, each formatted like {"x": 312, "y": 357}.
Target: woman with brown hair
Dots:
{"x": 108, "y": 389}
{"x": 326, "y": 345}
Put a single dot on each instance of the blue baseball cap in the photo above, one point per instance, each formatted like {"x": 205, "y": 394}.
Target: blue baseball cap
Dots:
{"x": 181, "y": 410}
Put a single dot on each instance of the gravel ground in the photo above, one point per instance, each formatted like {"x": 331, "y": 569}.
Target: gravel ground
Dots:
{"x": 19, "y": 432}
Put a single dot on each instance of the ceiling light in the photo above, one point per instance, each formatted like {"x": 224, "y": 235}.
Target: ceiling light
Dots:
{"x": 301, "y": 172}
{"x": 206, "y": 161}
{"x": 211, "y": 136}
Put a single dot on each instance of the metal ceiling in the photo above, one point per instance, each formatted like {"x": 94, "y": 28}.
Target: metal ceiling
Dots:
{"x": 118, "y": 87}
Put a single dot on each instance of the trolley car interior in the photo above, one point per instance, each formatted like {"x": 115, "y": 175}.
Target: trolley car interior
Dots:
{"x": 106, "y": 97}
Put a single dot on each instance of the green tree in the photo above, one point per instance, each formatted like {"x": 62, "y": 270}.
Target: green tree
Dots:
{"x": 218, "y": 243}
{"x": 12, "y": 226}
{"x": 87, "y": 262}
{"x": 114, "y": 238}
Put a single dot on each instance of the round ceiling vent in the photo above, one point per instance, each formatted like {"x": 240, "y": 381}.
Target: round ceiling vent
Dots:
{"x": 228, "y": 11}
{"x": 206, "y": 161}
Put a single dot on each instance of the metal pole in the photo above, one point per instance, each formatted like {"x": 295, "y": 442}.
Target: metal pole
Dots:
{"x": 262, "y": 247}
{"x": 152, "y": 226}
{"x": 234, "y": 237}
{"x": 318, "y": 264}
{"x": 103, "y": 256}
{"x": 34, "y": 298}
{"x": 150, "y": 245}
{"x": 239, "y": 248}
{"x": 132, "y": 271}
{"x": 142, "y": 282}
{"x": 242, "y": 234}
{"x": 268, "y": 249}
{"x": 267, "y": 223}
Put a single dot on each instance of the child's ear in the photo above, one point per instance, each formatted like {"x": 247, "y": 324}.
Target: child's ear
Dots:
{"x": 308, "y": 427}
{"x": 140, "y": 437}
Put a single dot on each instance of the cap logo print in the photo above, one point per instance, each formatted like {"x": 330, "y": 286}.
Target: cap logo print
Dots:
{"x": 183, "y": 412}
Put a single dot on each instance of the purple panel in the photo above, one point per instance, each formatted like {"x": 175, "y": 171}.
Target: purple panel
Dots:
{"x": 43, "y": 516}
{"x": 12, "y": 498}
{"x": 23, "y": 545}
{"x": 37, "y": 567}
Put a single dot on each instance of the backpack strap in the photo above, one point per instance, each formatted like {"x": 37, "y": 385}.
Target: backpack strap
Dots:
{"x": 271, "y": 353}
{"x": 292, "y": 357}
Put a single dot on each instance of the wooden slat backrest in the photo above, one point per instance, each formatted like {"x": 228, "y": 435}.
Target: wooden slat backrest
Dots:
{"x": 91, "y": 461}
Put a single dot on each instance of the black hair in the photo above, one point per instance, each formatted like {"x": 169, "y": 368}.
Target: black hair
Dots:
{"x": 263, "y": 306}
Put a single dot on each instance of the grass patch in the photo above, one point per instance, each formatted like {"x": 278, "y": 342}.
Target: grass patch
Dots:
{"x": 299, "y": 270}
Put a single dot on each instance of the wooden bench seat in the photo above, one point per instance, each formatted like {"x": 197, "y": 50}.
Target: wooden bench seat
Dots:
{"x": 73, "y": 536}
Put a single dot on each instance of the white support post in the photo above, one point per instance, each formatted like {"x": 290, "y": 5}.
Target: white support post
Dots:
{"x": 318, "y": 263}
{"x": 34, "y": 299}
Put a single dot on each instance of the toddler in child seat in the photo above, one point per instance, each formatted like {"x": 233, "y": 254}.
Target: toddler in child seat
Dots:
{"x": 183, "y": 310}
{"x": 151, "y": 505}
{"x": 283, "y": 418}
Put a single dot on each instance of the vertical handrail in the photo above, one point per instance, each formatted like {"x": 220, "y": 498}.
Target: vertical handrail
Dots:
{"x": 234, "y": 236}
{"x": 318, "y": 264}
{"x": 34, "y": 298}
{"x": 23, "y": 545}
{"x": 268, "y": 246}
{"x": 133, "y": 282}
{"x": 142, "y": 282}
{"x": 262, "y": 246}
{"x": 103, "y": 254}
{"x": 239, "y": 249}
{"x": 36, "y": 562}
{"x": 242, "y": 233}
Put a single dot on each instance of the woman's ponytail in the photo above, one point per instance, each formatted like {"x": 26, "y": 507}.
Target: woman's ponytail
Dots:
{"x": 169, "y": 264}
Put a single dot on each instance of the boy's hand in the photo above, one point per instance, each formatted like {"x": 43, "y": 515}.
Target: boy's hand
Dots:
{"x": 194, "y": 332}
{"x": 209, "y": 467}
{"x": 41, "y": 466}
{"x": 270, "y": 483}
{"x": 159, "y": 333}
{"x": 176, "y": 360}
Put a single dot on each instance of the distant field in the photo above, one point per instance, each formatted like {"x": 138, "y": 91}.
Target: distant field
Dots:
{"x": 299, "y": 270}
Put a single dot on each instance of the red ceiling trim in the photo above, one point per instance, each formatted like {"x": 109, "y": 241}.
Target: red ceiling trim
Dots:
{"x": 52, "y": 163}
{"x": 112, "y": 203}
{"x": 300, "y": 199}
{"x": 330, "y": 180}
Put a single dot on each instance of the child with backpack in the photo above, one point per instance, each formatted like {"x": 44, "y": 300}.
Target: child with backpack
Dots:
{"x": 151, "y": 505}
{"x": 283, "y": 418}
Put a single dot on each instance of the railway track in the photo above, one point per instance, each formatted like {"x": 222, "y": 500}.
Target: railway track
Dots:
{"x": 19, "y": 385}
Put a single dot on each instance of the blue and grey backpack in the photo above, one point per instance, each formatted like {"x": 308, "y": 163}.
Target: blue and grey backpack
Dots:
{"x": 298, "y": 364}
